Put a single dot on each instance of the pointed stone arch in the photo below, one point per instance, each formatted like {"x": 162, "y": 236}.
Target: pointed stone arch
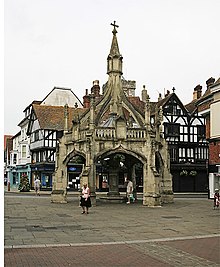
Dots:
{"x": 72, "y": 154}
{"x": 123, "y": 150}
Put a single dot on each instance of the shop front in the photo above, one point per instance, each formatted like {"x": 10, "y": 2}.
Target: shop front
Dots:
{"x": 44, "y": 172}
{"x": 214, "y": 179}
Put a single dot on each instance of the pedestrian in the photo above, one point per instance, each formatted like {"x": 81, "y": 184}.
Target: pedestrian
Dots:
{"x": 130, "y": 192}
{"x": 37, "y": 186}
{"x": 216, "y": 199}
{"x": 85, "y": 201}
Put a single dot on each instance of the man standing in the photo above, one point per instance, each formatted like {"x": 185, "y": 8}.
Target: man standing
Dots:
{"x": 129, "y": 191}
{"x": 37, "y": 186}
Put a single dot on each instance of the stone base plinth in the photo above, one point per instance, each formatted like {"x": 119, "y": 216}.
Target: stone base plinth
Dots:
{"x": 112, "y": 199}
{"x": 93, "y": 199}
{"x": 58, "y": 196}
{"x": 152, "y": 200}
{"x": 167, "y": 198}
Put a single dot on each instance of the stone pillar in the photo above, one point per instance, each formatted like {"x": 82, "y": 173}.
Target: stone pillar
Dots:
{"x": 167, "y": 179}
{"x": 92, "y": 182}
{"x": 113, "y": 182}
{"x": 151, "y": 196}
{"x": 133, "y": 179}
{"x": 59, "y": 192}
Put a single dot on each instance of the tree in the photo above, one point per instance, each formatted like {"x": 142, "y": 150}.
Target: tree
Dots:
{"x": 24, "y": 185}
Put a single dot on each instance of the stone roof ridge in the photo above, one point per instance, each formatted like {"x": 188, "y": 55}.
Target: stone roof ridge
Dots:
{"x": 62, "y": 88}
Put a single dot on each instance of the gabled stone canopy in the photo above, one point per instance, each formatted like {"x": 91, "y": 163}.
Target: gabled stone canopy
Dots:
{"x": 114, "y": 125}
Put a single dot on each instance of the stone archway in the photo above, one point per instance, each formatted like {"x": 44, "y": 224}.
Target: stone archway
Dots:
{"x": 118, "y": 165}
{"x": 75, "y": 167}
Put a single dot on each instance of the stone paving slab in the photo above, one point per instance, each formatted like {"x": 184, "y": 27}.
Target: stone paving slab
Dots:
{"x": 39, "y": 233}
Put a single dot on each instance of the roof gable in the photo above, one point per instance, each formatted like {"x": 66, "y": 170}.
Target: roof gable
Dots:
{"x": 61, "y": 96}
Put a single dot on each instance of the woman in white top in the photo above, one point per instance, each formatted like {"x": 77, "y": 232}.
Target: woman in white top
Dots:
{"x": 129, "y": 191}
{"x": 85, "y": 201}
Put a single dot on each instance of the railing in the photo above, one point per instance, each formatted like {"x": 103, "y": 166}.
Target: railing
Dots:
{"x": 106, "y": 133}
{"x": 109, "y": 133}
{"x": 135, "y": 134}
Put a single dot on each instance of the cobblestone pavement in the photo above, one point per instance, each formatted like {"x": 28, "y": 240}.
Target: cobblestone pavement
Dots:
{"x": 39, "y": 233}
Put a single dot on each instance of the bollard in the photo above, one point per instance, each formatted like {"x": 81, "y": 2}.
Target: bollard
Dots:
{"x": 8, "y": 185}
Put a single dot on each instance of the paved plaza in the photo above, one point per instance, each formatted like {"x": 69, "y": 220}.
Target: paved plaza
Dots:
{"x": 40, "y": 233}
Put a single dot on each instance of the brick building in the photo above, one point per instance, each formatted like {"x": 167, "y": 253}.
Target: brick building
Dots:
{"x": 209, "y": 107}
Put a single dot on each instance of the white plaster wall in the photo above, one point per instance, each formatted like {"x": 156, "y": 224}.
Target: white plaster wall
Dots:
{"x": 61, "y": 97}
{"x": 214, "y": 116}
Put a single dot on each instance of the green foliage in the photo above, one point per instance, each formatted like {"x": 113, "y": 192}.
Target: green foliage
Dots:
{"x": 193, "y": 173}
{"x": 24, "y": 185}
{"x": 183, "y": 173}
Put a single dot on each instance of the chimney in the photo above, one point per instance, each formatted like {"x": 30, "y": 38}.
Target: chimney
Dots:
{"x": 86, "y": 100}
{"x": 160, "y": 97}
{"x": 210, "y": 82}
{"x": 168, "y": 92}
{"x": 144, "y": 94}
{"x": 197, "y": 92}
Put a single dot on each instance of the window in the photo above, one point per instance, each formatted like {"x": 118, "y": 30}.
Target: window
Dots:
{"x": 36, "y": 136}
{"x": 37, "y": 156}
{"x": 184, "y": 133}
{"x": 173, "y": 150}
{"x": 15, "y": 159}
{"x": 171, "y": 130}
{"x": 42, "y": 158}
{"x": 176, "y": 110}
{"x": 190, "y": 154}
{"x": 23, "y": 151}
{"x": 201, "y": 154}
{"x": 201, "y": 132}
{"x": 168, "y": 109}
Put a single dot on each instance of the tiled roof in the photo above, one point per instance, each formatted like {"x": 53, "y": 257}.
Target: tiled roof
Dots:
{"x": 191, "y": 106}
{"x": 208, "y": 93}
{"x": 137, "y": 103}
{"x": 52, "y": 117}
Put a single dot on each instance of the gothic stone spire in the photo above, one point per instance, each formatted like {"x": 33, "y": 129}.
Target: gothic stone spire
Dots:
{"x": 114, "y": 57}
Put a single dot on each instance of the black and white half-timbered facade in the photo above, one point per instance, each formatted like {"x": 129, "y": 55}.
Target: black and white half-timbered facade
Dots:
{"x": 46, "y": 127}
{"x": 184, "y": 130}
{"x": 43, "y": 142}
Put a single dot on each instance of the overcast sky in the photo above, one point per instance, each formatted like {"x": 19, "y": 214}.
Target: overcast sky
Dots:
{"x": 65, "y": 43}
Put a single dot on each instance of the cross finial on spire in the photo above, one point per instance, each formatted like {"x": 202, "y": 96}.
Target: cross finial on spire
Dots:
{"x": 114, "y": 30}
